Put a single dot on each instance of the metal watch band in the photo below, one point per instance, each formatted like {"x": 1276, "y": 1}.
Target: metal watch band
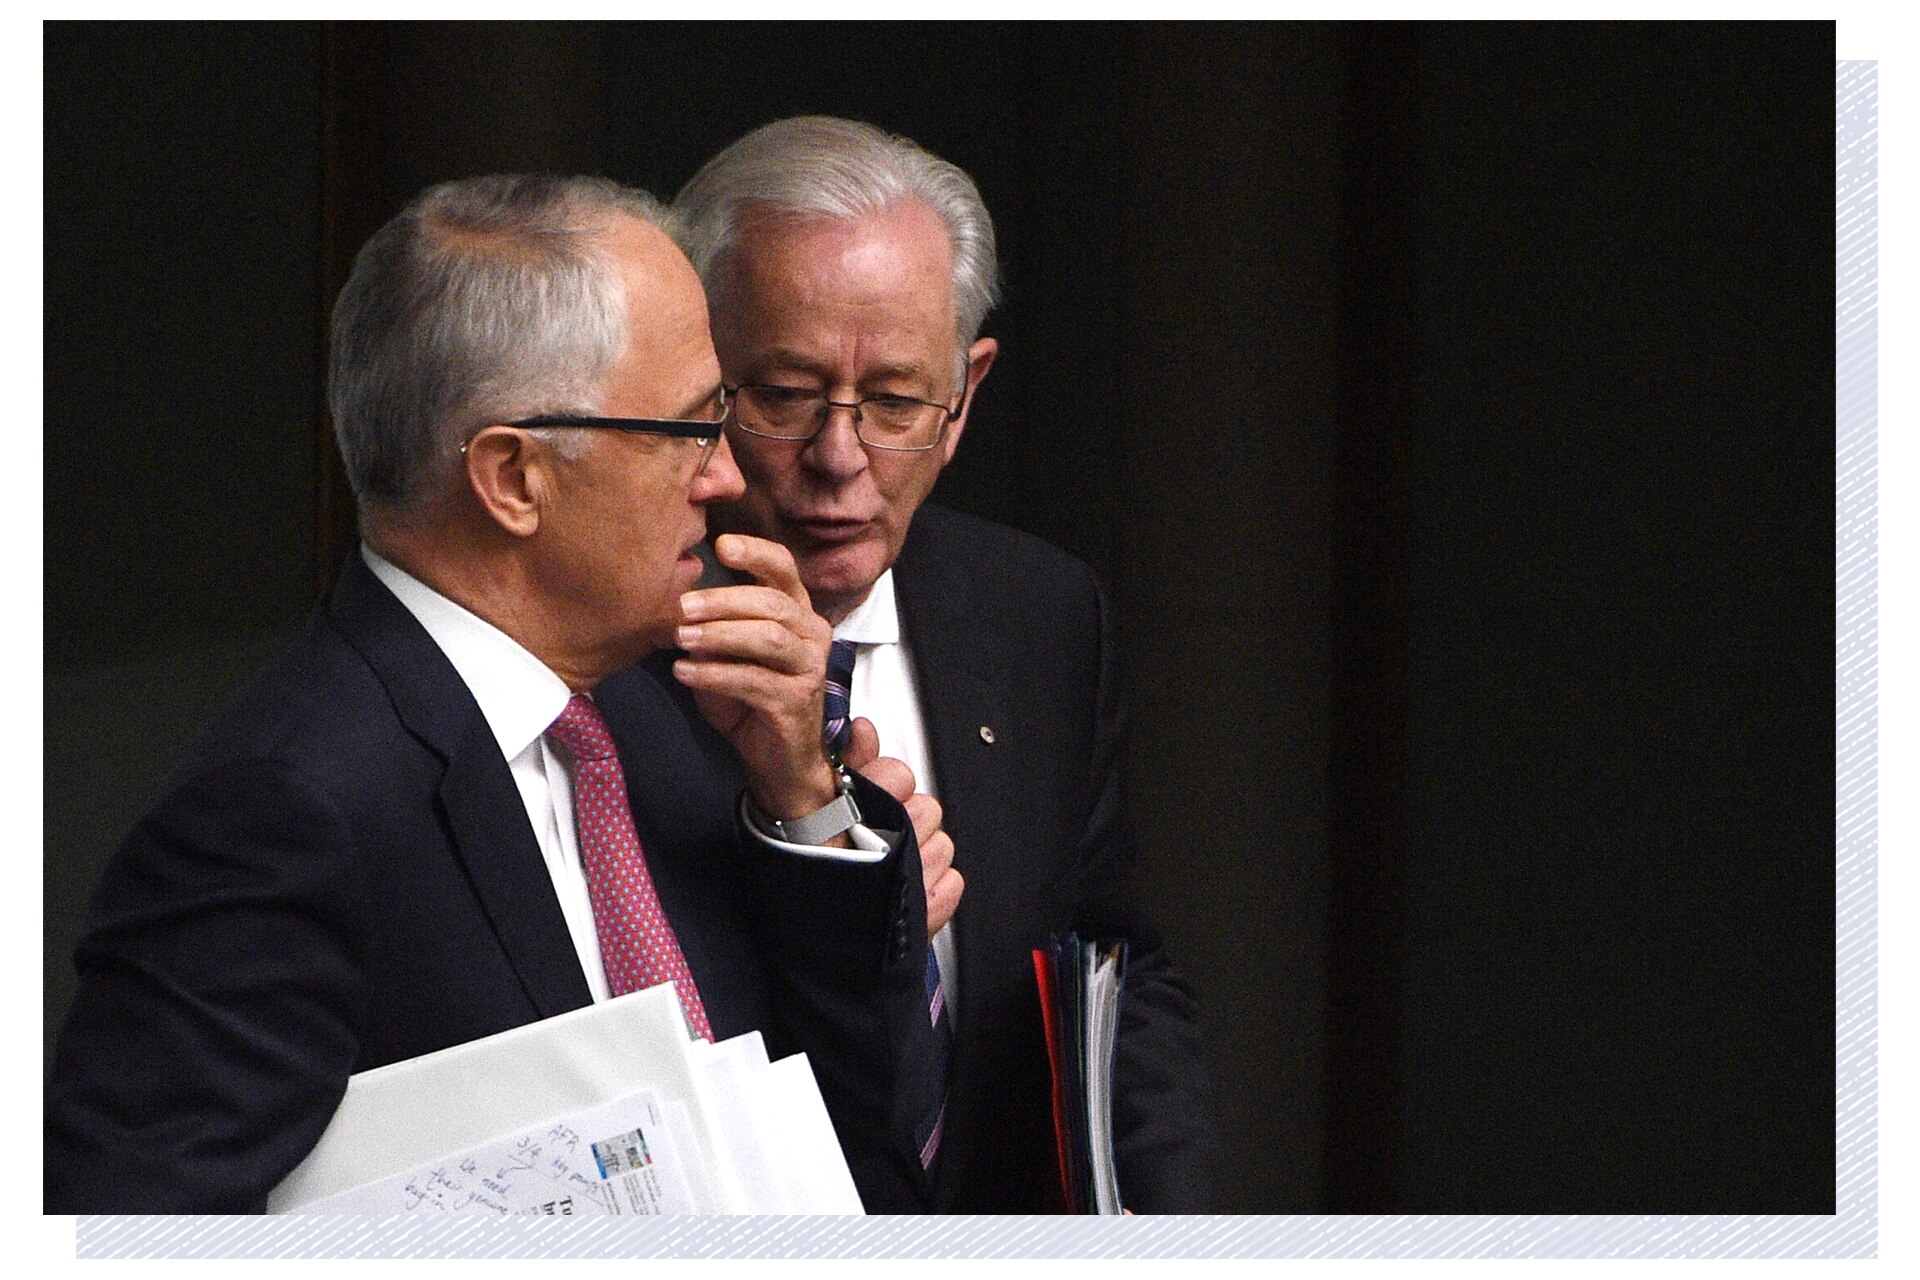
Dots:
{"x": 823, "y": 824}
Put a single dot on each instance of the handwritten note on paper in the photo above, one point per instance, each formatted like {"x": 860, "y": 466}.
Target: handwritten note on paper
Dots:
{"x": 556, "y": 1169}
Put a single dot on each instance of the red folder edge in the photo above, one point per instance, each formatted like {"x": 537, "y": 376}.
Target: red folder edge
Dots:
{"x": 1050, "y": 1022}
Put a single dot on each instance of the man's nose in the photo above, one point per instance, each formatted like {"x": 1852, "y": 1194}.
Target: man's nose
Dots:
{"x": 836, "y": 450}
{"x": 721, "y": 481}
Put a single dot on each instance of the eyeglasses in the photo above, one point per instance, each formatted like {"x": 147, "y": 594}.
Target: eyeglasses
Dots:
{"x": 704, "y": 432}
{"x": 900, "y": 423}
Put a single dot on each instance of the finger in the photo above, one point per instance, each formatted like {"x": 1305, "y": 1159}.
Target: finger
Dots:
{"x": 925, "y": 812}
{"x": 936, "y": 858}
{"x": 769, "y": 563}
{"x": 711, "y": 603}
{"x": 768, "y": 693}
{"x": 943, "y": 899}
{"x": 863, "y": 748}
{"x": 758, "y": 641}
{"x": 893, "y": 777}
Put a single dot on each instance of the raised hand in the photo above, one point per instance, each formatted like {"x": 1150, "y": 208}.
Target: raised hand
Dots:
{"x": 944, "y": 884}
{"x": 756, "y": 658}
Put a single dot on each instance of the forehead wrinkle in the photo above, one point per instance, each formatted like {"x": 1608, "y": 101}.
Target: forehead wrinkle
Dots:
{"x": 862, "y": 302}
{"x": 846, "y": 244}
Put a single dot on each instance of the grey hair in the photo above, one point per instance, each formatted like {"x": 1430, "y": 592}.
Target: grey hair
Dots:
{"x": 484, "y": 300}
{"x": 821, "y": 166}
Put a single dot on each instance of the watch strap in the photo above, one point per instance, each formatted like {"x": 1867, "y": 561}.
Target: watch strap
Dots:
{"x": 831, "y": 819}
{"x": 823, "y": 824}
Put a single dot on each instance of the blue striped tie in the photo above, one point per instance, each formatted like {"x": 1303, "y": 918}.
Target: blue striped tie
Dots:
{"x": 837, "y": 732}
{"x": 838, "y": 729}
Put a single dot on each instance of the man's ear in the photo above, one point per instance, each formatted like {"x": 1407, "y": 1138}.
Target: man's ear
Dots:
{"x": 509, "y": 473}
{"x": 979, "y": 359}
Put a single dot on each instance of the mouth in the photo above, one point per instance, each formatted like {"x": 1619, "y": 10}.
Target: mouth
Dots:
{"x": 828, "y": 529}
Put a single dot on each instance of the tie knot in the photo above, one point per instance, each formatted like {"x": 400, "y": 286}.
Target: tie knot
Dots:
{"x": 581, "y": 730}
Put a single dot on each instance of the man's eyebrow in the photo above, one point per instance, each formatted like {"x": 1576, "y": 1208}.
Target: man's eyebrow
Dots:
{"x": 880, "y": 372}
{"x": 782, "y": 359}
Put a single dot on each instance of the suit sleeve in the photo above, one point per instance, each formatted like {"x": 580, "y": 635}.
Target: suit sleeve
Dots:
{"x": 847, "y": 949}
{"x": 1166, "y": 1143}
{"x": 218, "y": 1006}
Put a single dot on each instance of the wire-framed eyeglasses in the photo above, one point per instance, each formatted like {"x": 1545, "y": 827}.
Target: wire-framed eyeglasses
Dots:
{"x": 798, "y": 414}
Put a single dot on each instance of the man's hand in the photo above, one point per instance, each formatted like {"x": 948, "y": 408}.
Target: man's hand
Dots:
{"x": 944, "y": 884}
{"x": 756, "y": 662}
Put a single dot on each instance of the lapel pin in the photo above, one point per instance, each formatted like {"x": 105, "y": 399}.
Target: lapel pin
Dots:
{"x": 986, "y": 733}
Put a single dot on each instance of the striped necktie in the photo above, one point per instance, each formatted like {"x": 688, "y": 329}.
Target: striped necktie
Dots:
{"x": 837, "y": 731}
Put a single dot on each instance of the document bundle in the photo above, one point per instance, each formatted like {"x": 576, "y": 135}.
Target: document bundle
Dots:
{"x": 613, "y": 1108}
{"x": 1080, "y": 984}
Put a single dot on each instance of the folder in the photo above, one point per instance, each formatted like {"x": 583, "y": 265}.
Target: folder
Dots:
{"x": 1080, "y": 985}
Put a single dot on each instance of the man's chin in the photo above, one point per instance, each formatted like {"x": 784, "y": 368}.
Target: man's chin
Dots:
{"x": 838, "y": 578}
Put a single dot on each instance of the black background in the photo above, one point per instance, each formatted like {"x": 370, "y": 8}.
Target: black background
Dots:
{"x": 1449, "y": 407}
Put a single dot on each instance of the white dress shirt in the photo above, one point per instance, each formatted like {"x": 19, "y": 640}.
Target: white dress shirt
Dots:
{"x": 520, "y": 698}
{"x": 884, "y": 692}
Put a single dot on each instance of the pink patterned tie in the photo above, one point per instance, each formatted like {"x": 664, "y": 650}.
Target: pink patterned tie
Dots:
{"x": 637, "y": 946}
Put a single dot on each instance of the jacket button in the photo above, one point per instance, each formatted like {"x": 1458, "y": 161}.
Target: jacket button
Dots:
{"x": 986, "y": 734}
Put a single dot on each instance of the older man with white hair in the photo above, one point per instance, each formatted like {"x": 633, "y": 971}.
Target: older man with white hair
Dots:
{"x": 849, "y": 273}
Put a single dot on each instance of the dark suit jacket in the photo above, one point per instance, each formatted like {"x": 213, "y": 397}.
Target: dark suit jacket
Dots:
{"x": 1012, "y": 635}
{"x": 343, "y": 876}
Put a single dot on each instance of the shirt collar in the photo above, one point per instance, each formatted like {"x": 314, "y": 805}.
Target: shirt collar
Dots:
{"x": 519, "y": 696}
{"x": 874, "y": 620}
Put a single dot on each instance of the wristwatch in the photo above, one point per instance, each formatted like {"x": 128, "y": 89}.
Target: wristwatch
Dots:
{"x": 831, "y": 819}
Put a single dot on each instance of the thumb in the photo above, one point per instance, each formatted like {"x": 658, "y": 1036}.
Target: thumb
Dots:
{"x": 864, "y": 746}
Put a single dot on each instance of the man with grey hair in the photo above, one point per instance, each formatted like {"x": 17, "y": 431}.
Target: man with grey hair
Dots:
{"x": 425, "y": 824}
{"x": 848, "y": 273}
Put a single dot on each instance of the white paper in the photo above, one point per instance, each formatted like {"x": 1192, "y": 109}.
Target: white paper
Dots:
{"x": 793, "y": 1125}
{"x": 776, "y": 1145}
{"x": 723, "y": 1075}
{"x": 621, "y": 1158}
{"x": 1103, "y": 1012}
{"x": 743, "y": 1135}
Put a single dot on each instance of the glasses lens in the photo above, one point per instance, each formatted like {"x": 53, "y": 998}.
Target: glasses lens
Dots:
{"x": 898, "y": 422}
{"x": 795, "y": 413}
{"x": 785, "y": 413}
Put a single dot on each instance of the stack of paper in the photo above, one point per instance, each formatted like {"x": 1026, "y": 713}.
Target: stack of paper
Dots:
{"x": 614, "y": 1108}
{"x": 1080, "y": 985}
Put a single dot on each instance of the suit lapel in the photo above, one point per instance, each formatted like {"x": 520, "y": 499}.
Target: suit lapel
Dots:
{"x": 503, "y": 863}
{"x": 961, "y": 670}
{"x": 484, "y": 814}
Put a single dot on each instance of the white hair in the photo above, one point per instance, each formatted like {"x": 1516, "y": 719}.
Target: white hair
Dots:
{"x": 821, "y": 166}
{"x": 484, "y": 300}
